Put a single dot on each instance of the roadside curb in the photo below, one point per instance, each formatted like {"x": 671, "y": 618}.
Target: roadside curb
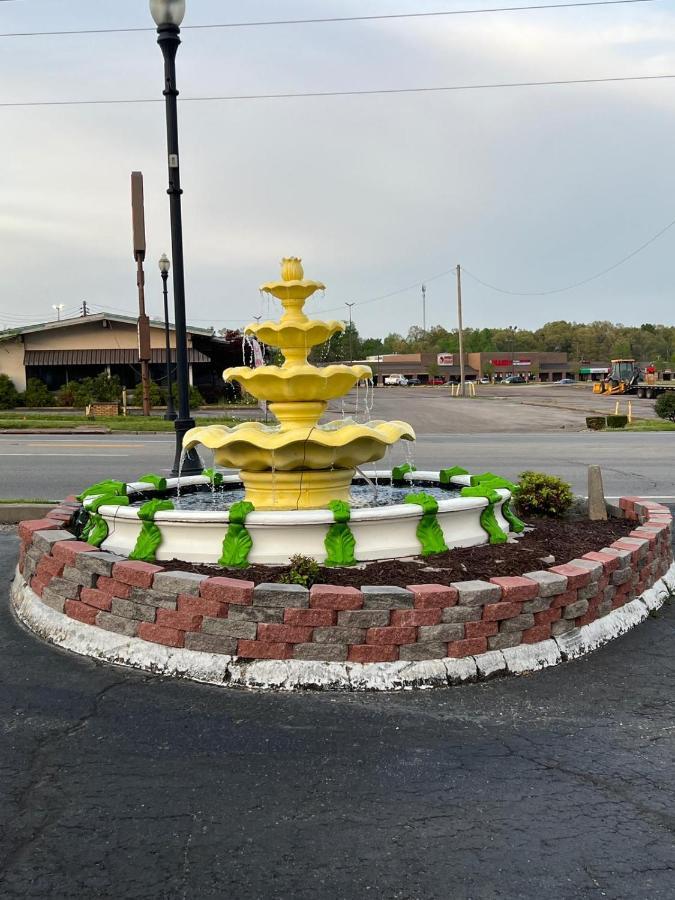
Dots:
{"x": 13, "y": 513}
{"x": 288, "y": 675}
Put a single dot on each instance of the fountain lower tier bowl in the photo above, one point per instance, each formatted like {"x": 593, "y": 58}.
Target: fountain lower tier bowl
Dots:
{"x": 298, "y": 383}
{"x": 380, "y": 532}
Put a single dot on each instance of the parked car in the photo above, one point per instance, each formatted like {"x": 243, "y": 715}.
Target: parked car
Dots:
{"x": 565, "y": 381}
{"x": 514, "y": 379}
{"x": 399, "y": 380}
{"x": 437, "y": 379}
{"x": 414, "y": 380}
{"x": 484, "y": 380}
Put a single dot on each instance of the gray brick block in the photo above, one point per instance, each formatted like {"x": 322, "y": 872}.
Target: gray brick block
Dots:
{"x": 624, "y": 556}
{"x": 281, "y": 595}
{"x": 604, "y": 608}
{"x": 175, "y": 583}
{"x": 517, "y": 623}
{"x": 550, "y": 583}
{"x": 85, "y": 579}
{"x": 66, "y": 589}
{"x": 53, "y": 600}
{"x": 424, "y": 650}
{"x": 29, "y": 567}
{"x": 595, "y": 568}
{"x": 384, "y": 596}
{"x": 364, "y": 618}
{"x": 34, "y": 555}
{"x": 477, "y": 593}
{"x": 211, "y": 643}
{"x": 255, "y": 614}
{"x": 461, "y": 614}
{"x": 588, "y": 592}
{"x": 230, "y": 629}
{"x": 436, "y": 633}
{"x": 575, "y": 609}
{"x": 128, "y": 609}
{"x": 321, "y": 652}
{"x": 153, "y": 598}
{"x": 505, "y": 639}
{"x": 562, "y": 626}
{"x": 340, "y": 635}
{"x": 97, "y": 562}
{"x": 621, "y": 576}
{"x": 539, "y": 604}
{"x": 609, "y": 593}
{"x": 118, "y": 624}
{"x": 45, "y": 540}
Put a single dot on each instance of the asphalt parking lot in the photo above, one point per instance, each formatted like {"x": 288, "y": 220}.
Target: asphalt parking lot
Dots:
{"x": 120, "y": 784}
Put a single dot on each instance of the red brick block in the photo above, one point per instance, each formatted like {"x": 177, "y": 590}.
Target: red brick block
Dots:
{"x": 390, "y": 635}
{"x": 264, "y": 650}
{"x": 272, "y": 633}
{"x": 28, "y": 528}
{"x": 201, "y": 606}
{"x": 516, "y": 589}
{"x": 414, "y": 617}
{"x": 98, "y": 599}
{"x": 180, "y": 620}
{"x": 576, "y": 577}
{"x": 564, "y": 599}
{"x": 495, "y": 612}
{"x": 37, "y": 585}
{"x": 137, "y": 574}
{"x": 609, "y": 563}
{"x": 547, "y": 616}
{"x": 80, "y": 611}
{"x": 332, "y": 596}
{"x": 459, "y": 649}
{"x": 433, "y": 596}
{"x": 536, "y": 633}
{"x": 227, "y": 590}
{"x": 587, "y": 618}
{"x": 48, "y": 567}
{"x": 62, "y": 516}
{"x": 310, "y": 618}
{"x": 113, "y": 587}
{"x": 369, "y": 653}
{"x": 480, "y": 629}
{"x": 646, "y": 536}
{"x": 159, "y": 634}
{"x": 67, "y": 551}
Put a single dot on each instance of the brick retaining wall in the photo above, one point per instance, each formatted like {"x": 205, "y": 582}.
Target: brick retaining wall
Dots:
{"x": 332, "y": 623}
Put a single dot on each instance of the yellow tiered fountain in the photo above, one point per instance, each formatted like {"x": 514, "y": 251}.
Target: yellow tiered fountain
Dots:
{"x": 298, "y": 464}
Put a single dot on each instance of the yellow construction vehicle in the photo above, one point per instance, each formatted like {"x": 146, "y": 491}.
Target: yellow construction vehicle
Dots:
{"x": 622, "y": 379}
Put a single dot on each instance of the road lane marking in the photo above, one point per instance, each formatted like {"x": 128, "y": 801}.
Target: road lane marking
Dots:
{"x": 69, "y": 455}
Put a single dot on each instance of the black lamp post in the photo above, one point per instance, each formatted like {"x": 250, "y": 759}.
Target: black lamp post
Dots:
{"x": 168, "y": 15}
{"x": 164, "y": 266}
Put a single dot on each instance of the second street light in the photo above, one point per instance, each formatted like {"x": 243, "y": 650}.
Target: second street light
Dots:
{"x": 168, "y": 15}
{"x": 164, "y": 267}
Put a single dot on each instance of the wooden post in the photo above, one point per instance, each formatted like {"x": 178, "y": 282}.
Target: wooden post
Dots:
{"x": 138, "y": 221}
{"x": 460, "y": 331}
{"x": 597, "y": 508}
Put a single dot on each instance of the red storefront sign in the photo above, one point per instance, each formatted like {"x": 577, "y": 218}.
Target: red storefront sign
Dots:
{"x": 511, "y": 362}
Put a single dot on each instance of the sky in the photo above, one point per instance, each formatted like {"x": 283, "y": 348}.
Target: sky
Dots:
{"x": 529, "y": 189}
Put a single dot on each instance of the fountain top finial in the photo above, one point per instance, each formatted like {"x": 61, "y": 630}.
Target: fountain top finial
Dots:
{"x": 291, "y": 268}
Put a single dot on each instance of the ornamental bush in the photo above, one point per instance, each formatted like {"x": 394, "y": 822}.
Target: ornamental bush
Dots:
{"x": 595, "y": 423}
{"x": 37, "y": 393}
{"x": 665, "y": 406}
{"x": 304, "y": 570}
{"x": 156, "y": 395}
{"x": 617, "y": 421}
{"x": 539, "y": 494}
{"x": 9, "y": 396}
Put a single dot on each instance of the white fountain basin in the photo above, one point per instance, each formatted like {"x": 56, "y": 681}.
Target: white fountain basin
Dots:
{"x": 385, "y": 532}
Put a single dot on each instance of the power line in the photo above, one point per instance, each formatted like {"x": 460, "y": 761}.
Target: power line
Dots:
{"x": 332, "y": 20}
{"x": 560, "y": 82}
{"x": 576, "y": 284}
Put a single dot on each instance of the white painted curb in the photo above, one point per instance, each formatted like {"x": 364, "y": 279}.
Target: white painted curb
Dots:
{"x": 289, "y": 675}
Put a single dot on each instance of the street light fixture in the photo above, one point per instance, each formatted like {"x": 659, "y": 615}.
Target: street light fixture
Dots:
{"x": 351, "y": 336}
{"x": 168, "y": 15}
{"x": 164, "y": 267}
{"x": 59, "y": 307}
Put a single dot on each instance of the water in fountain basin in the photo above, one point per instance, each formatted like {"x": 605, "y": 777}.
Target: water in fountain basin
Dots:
{"x": 183, "y": 454}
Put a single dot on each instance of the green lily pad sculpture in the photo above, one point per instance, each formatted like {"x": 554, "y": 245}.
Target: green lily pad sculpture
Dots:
{"x": 238, "y": 542}
{"x": 340, "y": 542}
{"x": 429, "y": 532}
{"x": 150, "y": 537}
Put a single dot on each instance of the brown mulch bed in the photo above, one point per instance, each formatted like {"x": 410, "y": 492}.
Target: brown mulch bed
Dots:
{"x": 551, "y": 542}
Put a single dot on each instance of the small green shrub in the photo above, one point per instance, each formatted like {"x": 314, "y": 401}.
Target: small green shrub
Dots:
{"x": 543, "y": 495}
{"x": 89, "y": 390}
{"x": 595, "y": 423}
{"x": 156, "y": 395}
{"x": 303, "y": 571}
{"x": 665, "y": 406}
{"x": 9, "y": 396}
{"x": 37, "y": 393}
{"x": 196, "y": 398}
{"x": 617, "y": 421}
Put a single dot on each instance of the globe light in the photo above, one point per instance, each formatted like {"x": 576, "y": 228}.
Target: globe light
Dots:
{"x": 164, "y": 264}
{"x": 167, "y": 12}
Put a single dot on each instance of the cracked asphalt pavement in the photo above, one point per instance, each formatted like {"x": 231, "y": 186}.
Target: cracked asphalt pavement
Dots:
{"x": 120, "y": 784}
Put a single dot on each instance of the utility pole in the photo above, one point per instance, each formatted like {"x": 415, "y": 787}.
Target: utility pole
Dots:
{"x": 460, "y": 331}
{"x": 424, "y": 308}
{"x": 351, "y": 337}
{"x": 85, "y": 309}
{"x": 58, "y": 307}
{"x": 138, "y": 220}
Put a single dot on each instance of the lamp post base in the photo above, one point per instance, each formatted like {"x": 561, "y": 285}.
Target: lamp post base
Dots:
{"x": 192, "y": 464}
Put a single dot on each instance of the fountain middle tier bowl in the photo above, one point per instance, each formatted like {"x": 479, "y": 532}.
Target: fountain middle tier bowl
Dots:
{"x": 302, "y": 382}
{"x": 255, "y": 447}
{"x": 297, "y": 336}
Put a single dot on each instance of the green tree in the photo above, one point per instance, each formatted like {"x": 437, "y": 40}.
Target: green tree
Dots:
{"x": 9, "y": 396}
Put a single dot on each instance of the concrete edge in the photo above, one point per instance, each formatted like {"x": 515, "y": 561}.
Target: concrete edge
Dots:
{"x": 288, "y": 675}
{"x": 13, "y": 513}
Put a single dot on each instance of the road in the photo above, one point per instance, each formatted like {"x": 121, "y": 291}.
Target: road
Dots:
{"x": 119, "y": 784}
{"x": 52, "y": 466}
